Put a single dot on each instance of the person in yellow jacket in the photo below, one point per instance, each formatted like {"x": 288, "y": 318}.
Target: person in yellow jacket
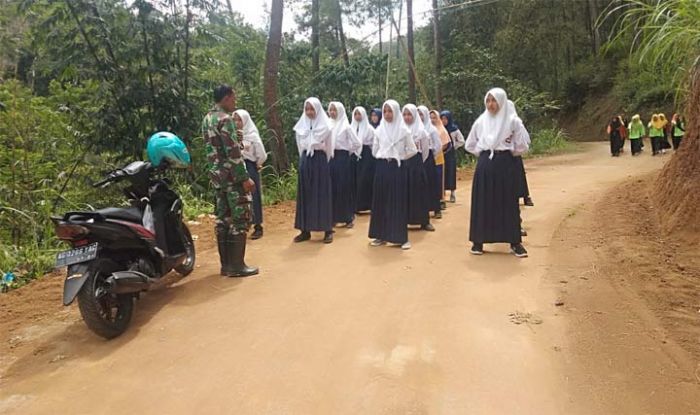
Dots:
{"x": 656, "y": 134}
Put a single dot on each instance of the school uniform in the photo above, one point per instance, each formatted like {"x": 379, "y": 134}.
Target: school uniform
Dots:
{"x": 419, "y": 195}
{"x": 440, "y": 155}
{"x": 456, "y": 142}
{"x": 347, "y": 147}
{"x": 636, "y": 134}
{"x": 366, "y": 164}
{"x": 656, "y": 134}
{"x": 430, "y": 165}
{"x": 678, "y": 131}
{"x": 496, "y": 141}
{"x": 255, "y": 156}
{"x": 392, "y": 147}
{"x": 314, "y": 204}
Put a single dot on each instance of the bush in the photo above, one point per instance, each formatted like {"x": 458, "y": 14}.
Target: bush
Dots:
{"x": 279, "y": 188}
{"x": 549, "y": 141}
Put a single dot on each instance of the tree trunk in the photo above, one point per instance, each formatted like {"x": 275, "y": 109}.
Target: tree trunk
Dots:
{"x": 272, "y": 63}
{"x": 230, "y": 8}
{"x": 595, "y": 33}
{"x": 438, "y": 54}
{"x": 186, "y": 80}
{"x": 315, "y": 44}
{"x": 411, "y": 54}
{"x": 341, "y": 33}
{"x": 398, "y": 32}
{"x": 380, "y": 28}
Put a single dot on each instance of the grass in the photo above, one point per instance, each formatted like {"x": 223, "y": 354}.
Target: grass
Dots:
{"x": 279, "y": 188}
{"x": 549, "y": 141}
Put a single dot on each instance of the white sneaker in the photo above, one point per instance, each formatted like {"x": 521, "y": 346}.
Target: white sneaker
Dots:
{"x": 406, "y": 246}
{"x": 377, "y": 242}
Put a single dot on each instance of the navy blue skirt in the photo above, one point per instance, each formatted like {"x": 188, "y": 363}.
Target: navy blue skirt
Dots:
{"x": 451, "y": 168}
{"x": 419, "y": 194}
{"x": 343, "y": 185}
{"x": 365, "y": 168}
{"x": 314, "y": 201}
{"x": 495, "y": 215}
{"x": 257, "y": 195}
{"x": 523, "y": 189}
{"x": 390, "y": 205}
{"x": 434, "y": 183}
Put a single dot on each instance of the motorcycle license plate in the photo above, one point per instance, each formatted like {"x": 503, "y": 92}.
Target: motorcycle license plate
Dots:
{"x": 76, "y": 256}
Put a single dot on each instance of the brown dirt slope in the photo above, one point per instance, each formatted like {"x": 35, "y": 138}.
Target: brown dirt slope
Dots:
{"x": 678, "y": 186}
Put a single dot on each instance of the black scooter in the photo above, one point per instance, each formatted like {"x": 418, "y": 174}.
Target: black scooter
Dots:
{"x": 120, "y": 252}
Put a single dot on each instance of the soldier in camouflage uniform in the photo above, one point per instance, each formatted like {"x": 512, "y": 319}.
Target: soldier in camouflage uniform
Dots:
{"x": 231, "y": 183}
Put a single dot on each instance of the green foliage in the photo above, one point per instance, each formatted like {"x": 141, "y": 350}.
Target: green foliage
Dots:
{"x": 279, "y": 188}
{"x": 549, "y": 141}
{"x": 666, "y": 38}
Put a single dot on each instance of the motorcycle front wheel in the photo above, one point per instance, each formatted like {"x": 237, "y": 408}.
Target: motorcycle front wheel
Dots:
{"x": 107, "y": 315}
{"x": 187, "y": 265}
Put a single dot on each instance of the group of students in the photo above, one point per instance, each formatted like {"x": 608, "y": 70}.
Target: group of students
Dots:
{"x": 399, "y": 162}
{"x": 659, "y": 129}
{"x": 396, "y": 163}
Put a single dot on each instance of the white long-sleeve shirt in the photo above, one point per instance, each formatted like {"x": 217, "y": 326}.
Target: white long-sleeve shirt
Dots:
{"x": 518, "y": 142}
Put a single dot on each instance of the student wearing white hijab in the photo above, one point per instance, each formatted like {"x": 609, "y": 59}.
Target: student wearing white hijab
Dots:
{"x": 314, "y": 136}
{"x": 255, "y": 156}
{"x": 366, "y": 164}
{"x": 419, "y": 195}
{"x": 435, "y": 148}
{"x": 393, "y": 146}
{"x": 346, "y": 144}
{"x": 497, "y": 136}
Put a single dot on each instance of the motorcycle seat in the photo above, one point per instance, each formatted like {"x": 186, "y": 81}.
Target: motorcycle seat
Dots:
{"x": 130, "y": 214}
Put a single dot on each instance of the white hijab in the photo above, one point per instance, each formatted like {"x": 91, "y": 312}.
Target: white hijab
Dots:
{"x": 393, "y": 132}
{"x": 433, "y": 133}
{"x": 417, "y": 128}
{"x": 315, "y": 129}
{"x": 363, "y": 128}
{"x": 429, "y": 127}
{"x": 493, "y": 129}
{"x": 340, "y": 123}
{"x": 250, "y": 131}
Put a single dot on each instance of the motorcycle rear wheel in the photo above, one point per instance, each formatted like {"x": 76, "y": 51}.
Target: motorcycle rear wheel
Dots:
{"x": 107, "y": 315}
{"x": 187, "y": 266}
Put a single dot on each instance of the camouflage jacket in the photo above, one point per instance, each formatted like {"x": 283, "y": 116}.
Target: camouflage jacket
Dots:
{"x": 224, "y": 159}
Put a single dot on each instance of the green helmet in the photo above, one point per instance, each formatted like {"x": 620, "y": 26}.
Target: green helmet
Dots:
{"x": 167, "y": 146}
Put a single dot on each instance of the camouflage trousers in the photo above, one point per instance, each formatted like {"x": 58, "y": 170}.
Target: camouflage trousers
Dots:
{"x": 233, "y": 210}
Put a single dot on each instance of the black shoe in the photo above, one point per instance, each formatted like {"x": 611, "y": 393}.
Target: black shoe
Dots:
{"x": 350, "y": 225}
{"x": 443, "y": 205}
{"x": 477, "y": 249}
{"x": 258, "y": 233}
{"x": 303, "y": 236}
{"x": 528, "y": 201}
{"x": 518, "y": 250}
{"x": 429, "y": 227}
{"x": 438, "y": 215}
{"x": 523, "y": 232}
{"x": 328, "y": 237}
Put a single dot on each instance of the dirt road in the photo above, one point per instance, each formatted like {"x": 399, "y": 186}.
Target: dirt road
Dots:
{"x": 346, "y": 328}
